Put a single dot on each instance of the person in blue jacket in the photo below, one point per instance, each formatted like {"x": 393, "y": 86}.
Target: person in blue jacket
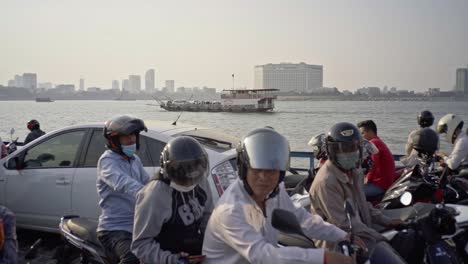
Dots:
{"x": 120, "y": 176}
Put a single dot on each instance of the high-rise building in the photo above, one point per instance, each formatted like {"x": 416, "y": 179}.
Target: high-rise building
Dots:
{"x": 18, "y": 81}
{"x": 149, "y": 80}
{"x": 461, "y": 85}
{"x": 65, "y": 88}
{"x": 134, "y": 82}
{"x": 125, "y": 85}
{"x": 82, "y": 84}
{"x": 46, "y": 85}
{"x": 115, "y": 85}
{"x": 11, "y": 83}
{"x": 170, "y": 86}
{"x": 30, "y": 80}
{"x": 289, "y": 77}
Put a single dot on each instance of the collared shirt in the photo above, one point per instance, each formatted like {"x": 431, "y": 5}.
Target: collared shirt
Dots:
{"x": 459, "y": 155}
{"x": 382, "y": 173}
{"x": 118, "y": 182}
{"x": 329, "y": 191}
{"x": 238, "y": 232}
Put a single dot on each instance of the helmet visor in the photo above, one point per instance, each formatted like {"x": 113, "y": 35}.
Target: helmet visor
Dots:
{"x": 442, "y": 129}
{"x": 188, "y": 172}
{"x": 133, "y": 126}
{"x": 267, "y": 151}
{"x": 344, "y": 147}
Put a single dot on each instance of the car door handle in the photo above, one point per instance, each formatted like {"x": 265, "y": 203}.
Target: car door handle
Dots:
{"x": 62, "y": 181}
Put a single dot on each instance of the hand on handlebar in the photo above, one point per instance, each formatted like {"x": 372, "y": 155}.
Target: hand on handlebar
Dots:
{"x": 358, "y": 241}
{"x": 192, "y": 259}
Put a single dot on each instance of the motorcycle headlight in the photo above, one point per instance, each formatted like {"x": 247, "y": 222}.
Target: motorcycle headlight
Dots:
{"x": 223, "y": 175}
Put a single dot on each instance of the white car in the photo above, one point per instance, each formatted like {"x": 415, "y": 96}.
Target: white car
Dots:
{"x": 55, "y": 175}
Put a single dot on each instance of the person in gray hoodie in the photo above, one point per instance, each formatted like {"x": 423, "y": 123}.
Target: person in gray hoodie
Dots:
{"x": 120, "y": 176}
{"x": 172, "y": 210}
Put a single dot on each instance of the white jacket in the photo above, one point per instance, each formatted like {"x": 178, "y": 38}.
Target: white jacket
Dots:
{"x": 459, "y": 155}
{"x": 237, "y": 231}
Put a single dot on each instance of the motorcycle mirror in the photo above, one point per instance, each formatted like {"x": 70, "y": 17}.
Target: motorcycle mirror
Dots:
{"x": 12, "y": 131}
{"x": 286, "y": 222}
{"x": 406, "y": 198}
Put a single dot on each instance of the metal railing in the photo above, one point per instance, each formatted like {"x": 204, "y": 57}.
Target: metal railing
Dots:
{"x": 310, "y": 155}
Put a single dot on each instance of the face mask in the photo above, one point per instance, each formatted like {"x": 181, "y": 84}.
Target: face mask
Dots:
{"x": 129, "y": 150}
{"x": 181, "y": 188}
{"x": 348, "y": 160}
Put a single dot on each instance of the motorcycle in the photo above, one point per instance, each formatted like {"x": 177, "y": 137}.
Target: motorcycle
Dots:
{"x": 421, "y": 181}
{"x": 81, "y": 233}
{"x": 426, "y": 184}
{"x": 432, "y": 233}
{"x": 12, "y": 145}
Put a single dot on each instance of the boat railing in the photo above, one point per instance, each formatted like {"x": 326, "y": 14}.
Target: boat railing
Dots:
{"x": 310, "y": 156}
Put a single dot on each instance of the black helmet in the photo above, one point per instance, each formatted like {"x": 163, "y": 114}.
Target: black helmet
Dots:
{"x": 343, "y": 138}
{"x": 425, "y": 119}
{"x": 184, "y": 161}
{"x": 122, "y": 125}
{"x": 425, "y": 141}
{"x": 262, "y": 148}
{"x": 33, "y": 124}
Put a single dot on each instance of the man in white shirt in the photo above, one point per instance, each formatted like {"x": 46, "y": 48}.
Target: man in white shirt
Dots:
{"x": 452, "y": 127}
{"x": 240, "y": 230}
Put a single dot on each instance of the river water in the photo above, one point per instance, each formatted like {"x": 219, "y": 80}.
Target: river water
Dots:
{"x": 297, "y": 120}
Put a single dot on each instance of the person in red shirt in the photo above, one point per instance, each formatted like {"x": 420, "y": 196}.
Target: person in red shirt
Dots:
{"x": 381, "y": 175}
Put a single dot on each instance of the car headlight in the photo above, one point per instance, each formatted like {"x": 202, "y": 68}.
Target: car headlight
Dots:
{"x": 223, "y": 175}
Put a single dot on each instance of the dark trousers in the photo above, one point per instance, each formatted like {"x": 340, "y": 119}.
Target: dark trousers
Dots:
{"x": 117, "y": 246}
{"x": 9, "y": 252}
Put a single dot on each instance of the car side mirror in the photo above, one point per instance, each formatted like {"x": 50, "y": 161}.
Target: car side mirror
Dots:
{"x": 13, "y": 163}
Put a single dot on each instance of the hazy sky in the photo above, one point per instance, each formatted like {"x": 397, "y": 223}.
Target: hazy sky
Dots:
{"x": 404, "y": 43}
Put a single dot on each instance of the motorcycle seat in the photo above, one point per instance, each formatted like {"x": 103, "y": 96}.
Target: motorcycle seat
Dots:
{"x": 84, "y": 229}
{"x": 406, "y": 213}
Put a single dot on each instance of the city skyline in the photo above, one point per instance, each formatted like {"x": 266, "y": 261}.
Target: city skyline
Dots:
{"x": 409, "y": 44}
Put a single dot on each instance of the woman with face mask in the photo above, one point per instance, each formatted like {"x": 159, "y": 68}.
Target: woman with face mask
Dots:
{"x": 172, "y": 210}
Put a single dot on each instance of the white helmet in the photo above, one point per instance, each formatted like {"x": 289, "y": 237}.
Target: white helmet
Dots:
{"x": 447, "y": 125}
{"x": 317, "y": 143}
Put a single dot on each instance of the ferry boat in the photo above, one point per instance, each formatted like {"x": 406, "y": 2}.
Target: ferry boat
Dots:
{"x": 44, "y": 100}
{"x": 239, "y": 101}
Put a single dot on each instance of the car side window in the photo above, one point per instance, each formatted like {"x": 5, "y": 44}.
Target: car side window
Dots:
{"x": 145, "y": 152}
{"x": 59, "y": 151}
{"x": 96, "y": 147}
{"x": 155, "y": 149}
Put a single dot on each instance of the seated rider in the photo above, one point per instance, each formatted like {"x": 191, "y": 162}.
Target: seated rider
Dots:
{"x": 172, "y": 210}
{"x": 341, "y": 179}
{"x": 240, "y": 229}
{"x": 452, "y": 126}
{"x": 120, "y": 177}
{"x": 425, "y": 119}
{"x": 381, "y": 176}
{"x": 35, "y": 129}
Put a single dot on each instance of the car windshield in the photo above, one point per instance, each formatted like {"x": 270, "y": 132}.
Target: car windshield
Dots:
{"x": 212, "y": 139}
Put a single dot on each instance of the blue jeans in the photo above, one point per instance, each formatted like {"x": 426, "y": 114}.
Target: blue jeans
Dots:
{"x": 117, "y": 246}
{"x": 372, "y": 190}
{"x": 383, "y": 253}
